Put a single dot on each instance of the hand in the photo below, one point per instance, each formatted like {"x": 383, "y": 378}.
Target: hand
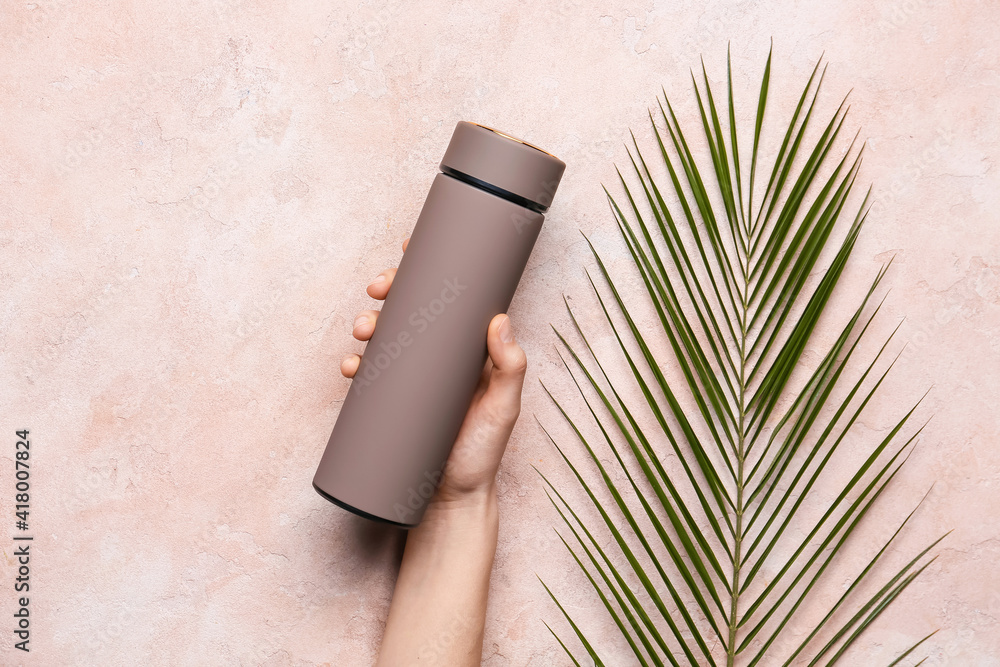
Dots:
{"x": 470, "y": 472}
{"x": 438, "y": 609}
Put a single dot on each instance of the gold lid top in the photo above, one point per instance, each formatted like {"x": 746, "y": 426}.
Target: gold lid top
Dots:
{"x": 504, "y": 134}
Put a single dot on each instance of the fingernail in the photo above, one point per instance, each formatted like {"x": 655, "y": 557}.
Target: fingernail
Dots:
{"x": 361, "y": 319}
{"x": 505, "y": 331}
{"x": 378, "y": 279}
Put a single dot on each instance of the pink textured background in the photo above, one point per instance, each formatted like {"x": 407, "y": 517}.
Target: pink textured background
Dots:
{"x": 194, "y": 195}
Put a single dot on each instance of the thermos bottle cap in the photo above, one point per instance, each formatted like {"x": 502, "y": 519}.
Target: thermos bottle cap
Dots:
{"x": 508, "y": 166}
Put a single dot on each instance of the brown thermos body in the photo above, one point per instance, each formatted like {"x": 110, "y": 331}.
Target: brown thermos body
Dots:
{"x": 466, "y": 254}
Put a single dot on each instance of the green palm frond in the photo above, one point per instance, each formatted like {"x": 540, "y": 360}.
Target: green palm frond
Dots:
{"x": 711, "y": 561}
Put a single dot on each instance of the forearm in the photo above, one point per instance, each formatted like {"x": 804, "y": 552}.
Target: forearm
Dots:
{"x": 438, "y": 609}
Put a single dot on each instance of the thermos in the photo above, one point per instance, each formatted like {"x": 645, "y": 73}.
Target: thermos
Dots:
{"x": 465, "y": 257}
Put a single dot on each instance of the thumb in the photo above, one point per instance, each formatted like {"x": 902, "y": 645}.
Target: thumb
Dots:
{"x": 503, "y": 394}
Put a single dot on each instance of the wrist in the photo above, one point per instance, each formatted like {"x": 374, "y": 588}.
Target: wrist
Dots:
{"x": 470, "y": 508}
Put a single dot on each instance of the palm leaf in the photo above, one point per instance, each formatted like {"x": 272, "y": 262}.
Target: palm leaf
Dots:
{"x": 712, "y": 561}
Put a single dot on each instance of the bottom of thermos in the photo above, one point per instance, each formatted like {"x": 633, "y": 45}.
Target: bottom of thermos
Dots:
{"x": 361, "y": 513}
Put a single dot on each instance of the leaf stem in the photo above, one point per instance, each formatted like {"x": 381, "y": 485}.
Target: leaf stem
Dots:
{"x": 734, "y": 617}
